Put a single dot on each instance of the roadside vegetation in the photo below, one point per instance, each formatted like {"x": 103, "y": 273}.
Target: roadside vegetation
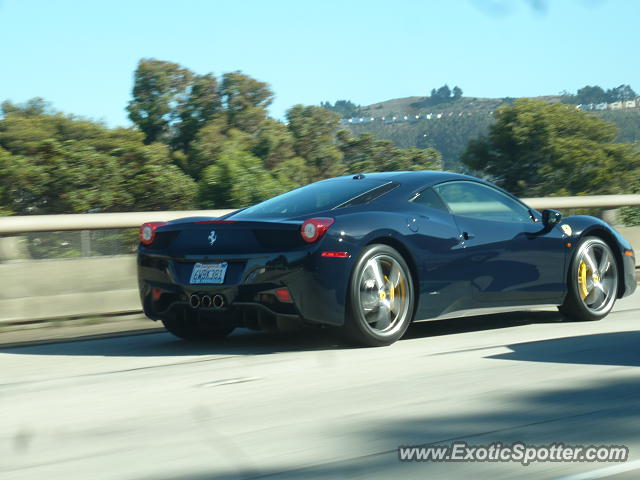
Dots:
{"x": 199, "y": 141}
{"x": 206, "y": 141}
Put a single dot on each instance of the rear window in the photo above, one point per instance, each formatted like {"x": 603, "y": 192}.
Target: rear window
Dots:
{"x": 319, "y": 196}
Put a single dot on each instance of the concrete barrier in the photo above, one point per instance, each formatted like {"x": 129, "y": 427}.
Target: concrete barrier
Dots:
{"x": 43, "y": 289}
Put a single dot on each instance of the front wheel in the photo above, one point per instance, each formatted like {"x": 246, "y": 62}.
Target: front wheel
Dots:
{"x": 381, "y": 297}
{"x": 592, "y": 282}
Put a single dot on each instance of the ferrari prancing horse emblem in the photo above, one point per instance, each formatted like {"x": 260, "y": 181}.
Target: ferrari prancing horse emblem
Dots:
{"x": 566, "y": 229}
{"x": 212, "y": 237}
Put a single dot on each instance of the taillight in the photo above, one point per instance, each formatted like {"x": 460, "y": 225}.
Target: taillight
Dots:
{"x": 148, "y": 232}
{"x": 283, "y": 295}
{"x": 314, "y": 228}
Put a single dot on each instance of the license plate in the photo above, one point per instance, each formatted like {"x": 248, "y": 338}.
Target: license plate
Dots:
{"x": 208, "y": 273}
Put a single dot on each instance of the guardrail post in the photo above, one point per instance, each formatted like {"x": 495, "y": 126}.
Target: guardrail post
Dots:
{"x": 13, "y": 248}
{"x": 85, "y": 243}
{"x": 610, "y": 216}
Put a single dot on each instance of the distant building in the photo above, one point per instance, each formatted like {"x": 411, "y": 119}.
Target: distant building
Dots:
{"x": 630, "y": 104}
{"x": 615, "y": 106}
{"x": 601, "y": 106}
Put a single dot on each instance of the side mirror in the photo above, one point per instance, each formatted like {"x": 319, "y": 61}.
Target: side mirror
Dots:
{"x": 551, "y": 217}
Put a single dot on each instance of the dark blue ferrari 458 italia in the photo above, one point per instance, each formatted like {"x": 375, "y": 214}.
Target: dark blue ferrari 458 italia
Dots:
{"x": 368, "y": 254}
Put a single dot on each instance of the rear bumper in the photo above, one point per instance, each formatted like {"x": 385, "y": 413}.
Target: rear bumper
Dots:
{"x": 317, "y": 287}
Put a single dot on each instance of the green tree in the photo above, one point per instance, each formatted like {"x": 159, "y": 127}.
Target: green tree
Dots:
{"x": 211, "y": 142}
{"x": 591, "y": 94}
{"x": 292, "y": 173}
{"x": 274, "y": 143}
{"x": 439, "y": 96}
{"x": 314, "y": 129}
{"x": 199, "y": 106}
{"x": 32, "y": 108}
{"x": 158, "y": 88}
{"x": 596, "y": 94}
{"x": 344, "y": 108}
{"x": 153, "y": 181}
{"x": 442, "y": 95}
{"x": 53, "y": 163}
{"x": 366, "y": 154}
{"x": 540, "y": 149}
{"x": 246, "y": 100}
{"x": 237, "y": 179}
{"x": 621, "y": 93}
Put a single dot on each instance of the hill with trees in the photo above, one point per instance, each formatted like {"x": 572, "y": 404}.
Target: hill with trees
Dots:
{"x": 456, "y": 121}
{"x": 551, "y": 149}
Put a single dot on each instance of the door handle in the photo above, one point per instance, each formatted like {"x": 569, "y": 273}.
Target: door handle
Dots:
{"x": 467, "y": 235}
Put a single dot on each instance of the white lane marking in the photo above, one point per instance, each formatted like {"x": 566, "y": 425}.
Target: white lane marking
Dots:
{"x": 603, "y": 472}
{"x": 228, "y": 381}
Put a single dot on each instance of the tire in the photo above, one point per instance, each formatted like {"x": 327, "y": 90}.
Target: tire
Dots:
{"x": 381, "y": 298}
{"x": 592, "y": 282}
{"x": 186, "y": 326}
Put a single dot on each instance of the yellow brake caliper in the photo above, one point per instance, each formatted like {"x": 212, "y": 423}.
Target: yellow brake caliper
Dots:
{"x": 582, "y": 279}
{"x": 383, "y": 295}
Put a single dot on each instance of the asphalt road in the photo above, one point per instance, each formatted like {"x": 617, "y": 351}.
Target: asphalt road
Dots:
{"x": 300, "y": 406}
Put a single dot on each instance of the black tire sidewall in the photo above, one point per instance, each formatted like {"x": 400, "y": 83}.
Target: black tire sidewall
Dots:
{"x": 354, "y": 324}
{"x": 573, "y": 306}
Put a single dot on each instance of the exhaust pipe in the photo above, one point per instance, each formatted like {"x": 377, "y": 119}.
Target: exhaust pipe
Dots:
{"x": 218, "y": 301}
{"x": 206, "y": 301}
{"x": 194, "y": 301}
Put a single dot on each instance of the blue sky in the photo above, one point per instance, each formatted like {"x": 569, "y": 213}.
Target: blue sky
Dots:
{"x": 80, "y": 55}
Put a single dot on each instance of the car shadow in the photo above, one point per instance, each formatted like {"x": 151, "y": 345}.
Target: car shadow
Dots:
{"x": 477, "y": 323}
{"x": 610, "y": 348}
{"x": 247, "y": 342}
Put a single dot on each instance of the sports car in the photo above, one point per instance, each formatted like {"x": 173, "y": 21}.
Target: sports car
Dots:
{"x": 368, "y": 254}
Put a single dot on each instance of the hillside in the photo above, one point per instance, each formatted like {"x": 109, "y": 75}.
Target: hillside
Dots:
{"x": 413, "y": 105}
{"x": 448, "y": 127}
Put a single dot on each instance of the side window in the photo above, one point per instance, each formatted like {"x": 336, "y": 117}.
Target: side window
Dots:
{"x": 429, "y": 198}
{"x": 471, "y": 199}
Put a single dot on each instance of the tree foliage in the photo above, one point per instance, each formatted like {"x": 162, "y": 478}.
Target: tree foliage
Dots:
{"x": 237, "y": 179}
{"x": 314, "y": 129}
{"x": 158, "y": 87}
{"x": 441, "y": 95}
{"x": 199, "y": 106}
{"x": 539, "y": 149}
{"x": 596, "y": 94}
{"x": 54, "y": 163}
{"x": 200, "y": 140}
{"x": 366, "y": 154}
{"x": 344, "y": 108}
{"x": 246, "y": 100}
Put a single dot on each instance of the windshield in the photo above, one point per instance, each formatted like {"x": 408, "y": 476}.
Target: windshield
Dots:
{"x": 313, "y": 198}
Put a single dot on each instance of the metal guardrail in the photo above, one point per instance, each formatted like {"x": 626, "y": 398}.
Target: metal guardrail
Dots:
{"x": 94, "y": 221}
{"x": 592, "y": 201}
{"x": 100, "y": 221}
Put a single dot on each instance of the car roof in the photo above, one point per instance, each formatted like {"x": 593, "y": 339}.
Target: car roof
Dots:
{"x": 409, "y": 179}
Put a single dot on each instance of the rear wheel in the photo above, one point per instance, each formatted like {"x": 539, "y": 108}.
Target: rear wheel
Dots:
{"x": 381, "y": 297}
{"x": 592, "y": 282}
{"x": 187, "y": 327}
